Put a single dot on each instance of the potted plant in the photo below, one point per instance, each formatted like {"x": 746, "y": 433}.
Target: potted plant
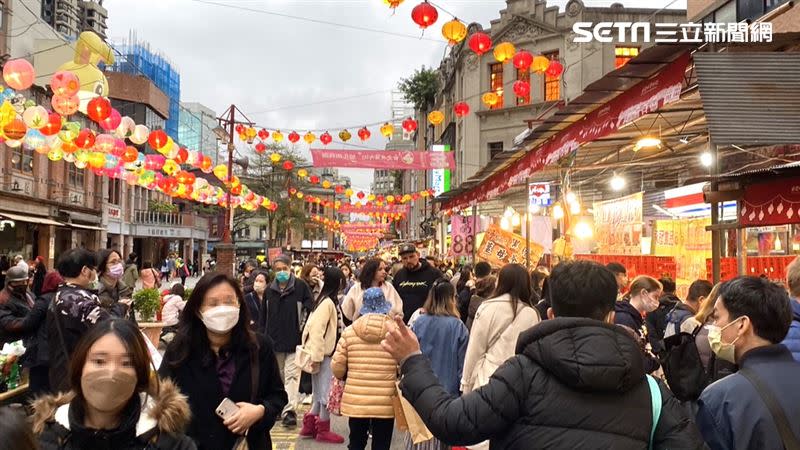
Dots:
{"x": 146, "y": 303}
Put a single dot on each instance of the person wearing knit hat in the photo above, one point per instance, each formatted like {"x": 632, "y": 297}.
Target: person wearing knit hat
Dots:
{"x": 375, "y": 302}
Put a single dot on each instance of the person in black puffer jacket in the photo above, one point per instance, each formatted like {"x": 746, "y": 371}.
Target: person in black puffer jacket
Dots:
{"x": 577, "y": 381}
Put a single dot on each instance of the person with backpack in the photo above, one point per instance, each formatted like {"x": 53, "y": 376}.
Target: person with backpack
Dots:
{"x": 682, "y": 311}
{"x": 757, "y": 407}
{"x": 576, "y": 381}
{"x": 656, "y": 321}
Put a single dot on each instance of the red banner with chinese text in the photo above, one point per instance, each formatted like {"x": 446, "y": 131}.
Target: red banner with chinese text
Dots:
{"x": 382, "y": 159}
{"x": 358, "y": 208}
{"x": 644, "y": 98}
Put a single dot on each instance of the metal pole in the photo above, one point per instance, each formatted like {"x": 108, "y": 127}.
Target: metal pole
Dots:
{"x": 715, "y": 234}
{"x": 474, "y": 233}
{"x": 227, "y": 230}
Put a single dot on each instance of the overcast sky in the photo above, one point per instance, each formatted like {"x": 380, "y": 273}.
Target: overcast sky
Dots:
{"x": 272, "y": 67}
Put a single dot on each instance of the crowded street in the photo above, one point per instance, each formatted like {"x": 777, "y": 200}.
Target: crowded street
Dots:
{"x": 400, "y": 225}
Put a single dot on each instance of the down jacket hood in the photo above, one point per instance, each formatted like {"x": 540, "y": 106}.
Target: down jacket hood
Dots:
{"x": 168, "y": 411}
{"x": 586, "y": 355}
{"x": 372, "y": 328}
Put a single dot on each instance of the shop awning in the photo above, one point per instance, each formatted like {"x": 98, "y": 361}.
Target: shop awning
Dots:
{"x": 750, "y": 98}
{"x": 84, "y": 227}
{"x": 643, "y": 86}
{"x": 30, "y": 219}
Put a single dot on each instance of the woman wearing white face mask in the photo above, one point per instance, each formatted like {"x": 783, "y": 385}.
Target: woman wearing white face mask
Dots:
{"x": 215, "y": 355}
{"x": 255, "y": 300}
{"x": 110, "y": 288}
{"x": 113, "y": 403}
{"x": 630, "y": 312}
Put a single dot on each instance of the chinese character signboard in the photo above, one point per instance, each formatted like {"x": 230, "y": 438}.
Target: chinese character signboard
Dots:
{"x": 500, "y": 247}
{"x": 462, "y": 235}
{"x": 689, "y": 243}
{"x": 539, "y": 194}
{"x": 618, "y": 225}
{"x": 672, "y": 33}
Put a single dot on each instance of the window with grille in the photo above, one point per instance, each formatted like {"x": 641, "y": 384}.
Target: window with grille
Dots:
{"x": 75, "y": 176}
{"x": 22, "y": 159}
{"x": 524, "y": 75}
{"x": 114, "y": 191}
{"x": 496, "y": 83}
{"x": 624, "y": 54}
{"x": 552, "y": 85}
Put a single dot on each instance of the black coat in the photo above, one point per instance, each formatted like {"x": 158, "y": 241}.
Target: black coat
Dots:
{"x": 20, "y": 321}
{"x": 574, "y": 384}
{"x": 283, "y": 313}
{"x": 656, "y": 322}
{"x": 631, "y": 320}
{"x": 197, "y": 379}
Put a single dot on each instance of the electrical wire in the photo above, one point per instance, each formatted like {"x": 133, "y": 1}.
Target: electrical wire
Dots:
{"x": 322, "y": 22}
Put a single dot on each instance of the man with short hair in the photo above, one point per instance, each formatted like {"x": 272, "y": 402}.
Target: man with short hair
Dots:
{"x": 621, "y": 275}
{"x": 577, "y": 381}
{"x": 482, "y": 270}
{"x": 698, "y": 292}
{"x": 792, "y": 341}
{"x": 414, "y": 280}
{"x": 74, "y": 310}
{"x": 286, "y": 301}
{"x": 741, "y": 411}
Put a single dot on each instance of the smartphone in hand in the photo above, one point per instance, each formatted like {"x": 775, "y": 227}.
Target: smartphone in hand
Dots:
{"x": 226, "y": 408}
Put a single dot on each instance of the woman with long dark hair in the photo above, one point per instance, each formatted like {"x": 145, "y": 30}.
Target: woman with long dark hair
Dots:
{"x": 111, "y": 290}
{"x": 443, "y": 339}
{"x": 313, "y": 278}
{"x": 38, "y": 276}
{"x": 465, "y": 287}
{"x": 320, "y": 334}
{"x": 498, "y": 323}
{"x": 373, "y": 274}
{"x": 114, "y": 402}
{"x": 215, "y": 356}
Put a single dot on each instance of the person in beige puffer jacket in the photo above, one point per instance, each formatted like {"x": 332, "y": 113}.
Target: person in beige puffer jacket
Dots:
{"x": 370, "y": 373}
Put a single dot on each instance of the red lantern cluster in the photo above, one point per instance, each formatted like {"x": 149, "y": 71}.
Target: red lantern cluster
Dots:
{"x": 555, "y": 69}
{"x": 410, "y": 125}
{"x": 480, "y": 43}
{"x": 522, "y": 88}
{"x": 98, "y": 109}
{"x": 424, "y": 15}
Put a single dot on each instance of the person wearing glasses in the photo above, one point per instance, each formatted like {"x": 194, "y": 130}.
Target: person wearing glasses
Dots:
{"x": 74, "y": 310}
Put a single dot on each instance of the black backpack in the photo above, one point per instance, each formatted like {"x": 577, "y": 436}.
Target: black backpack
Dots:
{"x": 683, "y": 367}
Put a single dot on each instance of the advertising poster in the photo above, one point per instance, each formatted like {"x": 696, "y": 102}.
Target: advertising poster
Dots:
{"x": 500, "y": 247}
{"x": 618, "y": 225}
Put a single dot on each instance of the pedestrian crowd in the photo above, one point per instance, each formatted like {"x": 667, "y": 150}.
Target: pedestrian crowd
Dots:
{"x": 576, "y": 356}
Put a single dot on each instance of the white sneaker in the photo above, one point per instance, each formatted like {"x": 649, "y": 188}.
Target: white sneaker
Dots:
{"x": 307, "y": 400}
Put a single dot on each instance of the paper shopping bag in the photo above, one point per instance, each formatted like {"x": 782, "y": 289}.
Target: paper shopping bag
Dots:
{"x": 407, "y": 419}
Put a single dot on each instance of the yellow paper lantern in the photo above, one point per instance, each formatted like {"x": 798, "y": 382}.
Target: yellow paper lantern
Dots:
{"x": 7, "y": 113}
{"x": 345, "y": 135}
{"x": 436, "y": 117}
{"x": 326, "y": 184}
{"x": 275, "y": 157}
{"x": 348, "y": 192}
{"x": 371, "y": 197}
{"x": 170, "y": 167}
{"x": 490, "y": 99}
{"x": 454, "y": 31}
{"x": 387, "y": 130}
{"x": 302, "y": 173}
{"x": 277, "y": 136}
{"x": 540, "y": 64}
{"x": 309, "y": 137}
{"x": 97, "y": 160}
{"x": 55, "y": 154}
{"x": 504, "y": 51}
{"x": 299, "y": 195}
{"x": 221, "y": 171}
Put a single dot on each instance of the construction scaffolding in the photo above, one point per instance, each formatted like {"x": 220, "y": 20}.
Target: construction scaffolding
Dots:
{"x": 135, "y": 57}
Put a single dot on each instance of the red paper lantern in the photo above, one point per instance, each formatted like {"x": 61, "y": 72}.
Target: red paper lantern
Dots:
{"x": 236, "y": 190}
{"x": 53, "y": 125}
{"x": 260, "y": 147}
{"x": 130, "y": 155}
{"x": 85, "y": 139}
{"x": 98, "y": 109}
{"x": 313, "y": 179}
{"x": 288, "y": 165}
{"x": 182, "y": 156}
{"x": 185, "y": 177}
{"x": 157, "y": 139}
{"x": 293, "y": 137}
{"x": 339, "y": 189}
{"x": 522, "y": 60}
{"x": 360, "y": 195}
{"x": 239, "y": 128}
{"x": 480, "y": 43}
{"x": 555, "y": 69}
{"x": 364, "y": 134}
{"x": 424, "y": 15}
{"x": 522, "y": 88}
{"x": 410, "y": 125}
{"x": 461, "y": 109}
{"x": 325, "y": 138}
{"x": 263, "y": 134}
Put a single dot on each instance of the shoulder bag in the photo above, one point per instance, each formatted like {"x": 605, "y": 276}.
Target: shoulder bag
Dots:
{"x": 790, "y": 441}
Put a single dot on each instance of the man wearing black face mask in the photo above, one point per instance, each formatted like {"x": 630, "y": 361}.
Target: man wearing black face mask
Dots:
{"x": 20, "y": 316}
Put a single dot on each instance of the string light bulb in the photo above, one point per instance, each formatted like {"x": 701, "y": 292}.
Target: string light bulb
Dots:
{"x": 706, "y": 159}
{"x": 617, "y": 182}
{"x": 583, "y": 230}
{"x": 515, "y": 220}
{"x": 558, "y": 212}
{"x": 505, "y": 224}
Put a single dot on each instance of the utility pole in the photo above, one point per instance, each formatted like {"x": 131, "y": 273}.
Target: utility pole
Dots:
{"x": 226, "y": 251}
